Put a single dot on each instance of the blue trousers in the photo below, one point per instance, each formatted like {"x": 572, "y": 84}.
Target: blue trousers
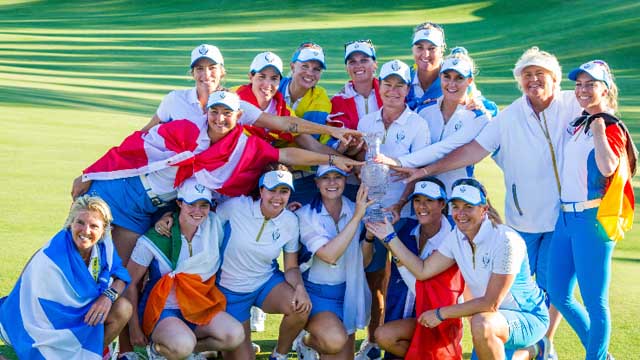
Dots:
{"x": 581, "y": 253}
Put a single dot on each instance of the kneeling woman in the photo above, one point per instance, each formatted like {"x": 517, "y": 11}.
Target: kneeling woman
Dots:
{"x": 258, "y": 230}
{"x": 507, "y": 310}
{"x": 334, "y": 274}
{"x": 407, "y": 298}
{"x": 65, "y": 304}
{"x": 181, "y": 308}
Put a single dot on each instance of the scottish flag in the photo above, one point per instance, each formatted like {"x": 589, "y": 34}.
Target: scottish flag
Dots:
{"x": 43, "y": 316}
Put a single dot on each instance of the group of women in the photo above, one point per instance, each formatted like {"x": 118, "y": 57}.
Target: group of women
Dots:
{"x": 201, "y": 204}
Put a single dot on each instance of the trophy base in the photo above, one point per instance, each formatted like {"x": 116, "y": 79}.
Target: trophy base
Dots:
{"x": 375, "y": 213}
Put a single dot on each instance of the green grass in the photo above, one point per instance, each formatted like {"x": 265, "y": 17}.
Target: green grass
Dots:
{"x": 76, "y": 78}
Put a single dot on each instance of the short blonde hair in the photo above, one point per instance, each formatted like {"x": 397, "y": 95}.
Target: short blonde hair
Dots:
{"x": 90, "y": 203}
{"x": 535, "y": 56}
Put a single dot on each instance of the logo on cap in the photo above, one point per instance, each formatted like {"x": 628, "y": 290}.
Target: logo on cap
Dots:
{"x": 203, "y": 50}
{"x": 426, "y": 33}
{"x": 269, "y": 57}
{"x": 222, "y": 95}
{"x": 199, "y": 188}
{"x": 356, "y": 45}
{"x": 315, "y": 53}
{"x": 423, "y": 185}
{"x": 395, "y": 66}
{"x": 587, "y": 66}
{"x": 462, "y": 188}
{"x": 455, "y": 61}
{"x": 280, "y": 175}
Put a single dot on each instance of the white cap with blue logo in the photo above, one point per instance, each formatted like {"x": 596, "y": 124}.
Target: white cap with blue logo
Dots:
{"x": 226, "y": 98}
{"x": 273, "y": 179}
{"x": 597, "y": 69}
{"x": 429, "y": 189}
{"x": 432, "y": 35}
{"x": 206, "y": 51}
{"x": 310, "y": 53}
{"x": 325, "y": 169}
{"x": 362, "y": 46}
{"x": 266, "y": 59}
{"x": 459, "y": 65}
{"x": 398, "y": 68}
{"x": 191, "y": 191}
{"x": 469, "y": 191}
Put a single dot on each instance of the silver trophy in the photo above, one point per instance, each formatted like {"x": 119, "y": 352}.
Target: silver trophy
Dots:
{"x": 376, "y": 177}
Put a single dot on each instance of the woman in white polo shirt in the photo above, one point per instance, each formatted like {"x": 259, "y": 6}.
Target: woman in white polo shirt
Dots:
{"x": 257, "y": 232}
{"x": 181, "y": 268}
{"x": 597, "y": 207}
{"x": 334, "y": 275}
{"x": 451, "y": 124}
{"x": 403, "y": 132}
{"x": 507, "y": 310}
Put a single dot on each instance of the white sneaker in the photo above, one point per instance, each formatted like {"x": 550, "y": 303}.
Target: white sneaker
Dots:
{"x": 369, "y": 351}
{"x": 257, "y": 320}
{"x": 304, "y": 352}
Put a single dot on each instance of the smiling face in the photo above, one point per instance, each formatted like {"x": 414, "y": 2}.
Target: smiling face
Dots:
{"x": 207, "y": 75}
{"x": 537, "y": 83}
{"x": 454, "y": 85}
{"x": 591, "y": 93}
{"x": 221, "y": 120}
{"x": 393, "y": 91}
{"x": 306, "y": 74}
{"x": 264, "y": 85}
{"x": 86, "y": 229}
{"x": 427, "y": 211}
{"x": 427, "y": 56}
{"x": 361, "y": 68}
{"x": 331, "y": 185}
{"x": 193, "y": 214}
{"x": 467, "y": 217}
{"x": 272, "y": 202}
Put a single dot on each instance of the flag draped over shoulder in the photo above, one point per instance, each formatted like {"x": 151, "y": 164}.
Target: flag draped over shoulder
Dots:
{"x": 443, "y": 341}
{"x": 617, "y": 207}
{"x": 230, "y": 166}
{"x": 43, "y": 316}
{"x": 194, "y": 280}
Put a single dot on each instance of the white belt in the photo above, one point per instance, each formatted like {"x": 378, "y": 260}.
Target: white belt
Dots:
{"x": 156, "y": 200}
{"x": 580, "y": 206}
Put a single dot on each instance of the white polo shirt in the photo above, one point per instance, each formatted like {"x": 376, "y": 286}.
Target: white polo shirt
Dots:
{"x": 521, "y": 150}
{"x": 581, "y": 178}
{"x": 318, "y": 229}
{"x": 498, "y": 250}
{"x": 208, "y": 238}
{"x": 407, "y": 134}
{"x": 249, "y": 261}
{"x": 463, "y": 126}
{"x": 184, "y": 104}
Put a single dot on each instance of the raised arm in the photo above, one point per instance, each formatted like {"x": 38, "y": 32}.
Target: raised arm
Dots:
{"x": 301, "y": 126}
{"x": 295, "y": 156}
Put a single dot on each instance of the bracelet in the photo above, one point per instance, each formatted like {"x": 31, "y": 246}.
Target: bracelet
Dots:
{"x": 370, "y": 241}
{"x": 111, "y": 294}
{"x": 438, "y": 315}
{"x": 424, "y": 170}
{"x": 389, "y": 237}
{"x": 332, "y": 159}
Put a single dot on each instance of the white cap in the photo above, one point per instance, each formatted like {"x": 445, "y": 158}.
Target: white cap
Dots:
{"x": 469, "y": 191}
{"x": 226, "y": 98}
{"x": 361, "y": 46}
{"x": 309, "y": 53}
{"x": 398, "y": 68}
{"x": 206, "y": 51}
{"x": 429, "y": 189}
{"x": 432, "y": 35}
{"x": 273, "y": 179}
{"x": 460, "y": 65}
{"x": 597, "y": 69}
{"x": 191, "y": 191}
{"x": 325, "y": 169}
{"x": 536, "y": 57}
{"x": 264, "y": 60}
